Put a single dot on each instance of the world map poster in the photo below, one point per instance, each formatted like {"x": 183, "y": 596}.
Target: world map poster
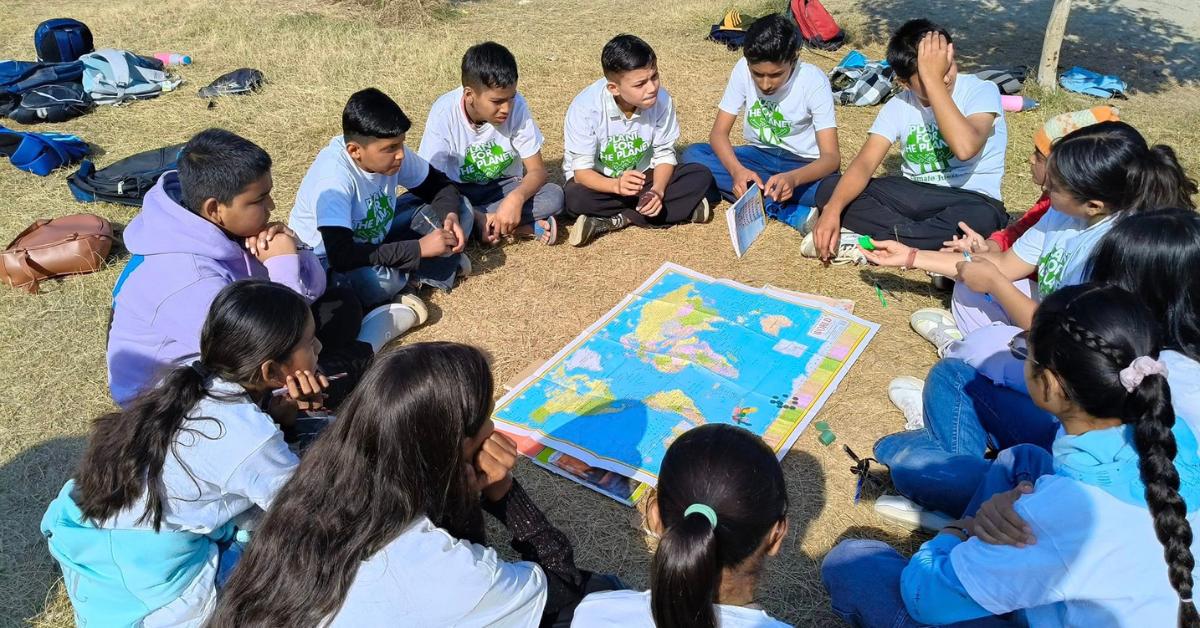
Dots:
{"x": 682, "y": 350}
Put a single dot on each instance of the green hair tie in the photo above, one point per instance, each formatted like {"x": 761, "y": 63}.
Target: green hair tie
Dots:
{"x": 707, "y": 511}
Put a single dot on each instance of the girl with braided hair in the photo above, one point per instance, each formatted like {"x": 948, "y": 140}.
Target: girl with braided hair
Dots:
{"x": 1110, "y": 538}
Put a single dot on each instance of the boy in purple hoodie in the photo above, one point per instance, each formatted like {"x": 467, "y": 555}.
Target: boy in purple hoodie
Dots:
{"x": 201, "y": 228}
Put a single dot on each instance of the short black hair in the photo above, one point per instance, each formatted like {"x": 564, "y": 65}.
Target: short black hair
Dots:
{"x": 372, "y": 114}
{"x": 625, "y": 53}
{"x": 489, "y": 65}
{"x": 902, "y": 48}
{"x": 772, "y": 39}
{"x": 218, "y": 164}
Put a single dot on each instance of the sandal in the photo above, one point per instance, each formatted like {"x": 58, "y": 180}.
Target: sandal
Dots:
{"x": 548, "y": 234}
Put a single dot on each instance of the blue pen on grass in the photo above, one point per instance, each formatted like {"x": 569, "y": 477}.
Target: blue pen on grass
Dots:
{"x": 967, "y": 255}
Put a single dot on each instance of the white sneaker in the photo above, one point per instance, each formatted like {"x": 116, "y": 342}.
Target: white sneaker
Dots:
{"x": 810, "y": 221}
{"x": 847, "y": 253}
{"x": 937, "y": 326}
{"x": 389, "y": 321}
{"x": 903, "y": 512}
{"x": 906, "y": 394}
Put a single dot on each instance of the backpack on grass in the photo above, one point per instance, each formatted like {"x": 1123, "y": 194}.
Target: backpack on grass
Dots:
{"x": 41, "y": 153}
{"x": 62, "y": 39}
{"x": 51, "y": 103}
{"x": 114, "y": 77}
{"x": 817, "y": 26}
{"x": 125, "y": 182}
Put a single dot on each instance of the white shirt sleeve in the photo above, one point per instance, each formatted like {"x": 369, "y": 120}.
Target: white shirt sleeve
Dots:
{"x": 1032, "y": 243}
{"x": 517, "y": 597}
{"x": 666, "y": 132}
{"x": 819, "y": 96}
{"x": 579, "y": 139}
{"x": 527, "y": 138}
{"x": 261, "y": 474}
{"x": 734, "y": 98}
{"x": 983, "y": 98}
{"x": 333, "y": 199}
{"x": 413, "y": 170}
{"x": 889, "y": 121}
{"x": 437, "y": 145}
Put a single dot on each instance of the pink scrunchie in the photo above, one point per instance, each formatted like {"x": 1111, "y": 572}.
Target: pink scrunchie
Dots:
{"x": 1132, "y": 375}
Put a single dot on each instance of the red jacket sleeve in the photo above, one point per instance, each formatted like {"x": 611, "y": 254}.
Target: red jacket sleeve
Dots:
{"x": 1008, "y": 235}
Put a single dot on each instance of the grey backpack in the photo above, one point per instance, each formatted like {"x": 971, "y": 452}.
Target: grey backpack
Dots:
{"x": 114, "y": 77}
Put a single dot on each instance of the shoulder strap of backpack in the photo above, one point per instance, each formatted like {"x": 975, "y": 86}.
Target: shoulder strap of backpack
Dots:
{"x": 118, "y": 65}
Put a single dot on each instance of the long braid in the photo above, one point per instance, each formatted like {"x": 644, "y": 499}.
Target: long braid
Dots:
{"x": 1150, "y": 411}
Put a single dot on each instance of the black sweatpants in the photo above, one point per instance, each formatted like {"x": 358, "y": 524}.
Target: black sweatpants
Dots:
{"x": 921, "y": 215}
{"x": 338, "y": 316}
{"x": 687, "y": 187}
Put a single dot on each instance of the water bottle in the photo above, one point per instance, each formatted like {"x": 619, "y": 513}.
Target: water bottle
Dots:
{"x": 1017, "y": 103}
{"x": 173, "y": 58}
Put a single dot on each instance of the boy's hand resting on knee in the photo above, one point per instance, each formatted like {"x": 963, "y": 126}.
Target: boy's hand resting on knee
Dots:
{"x": 997, "y": 522}
{"x": 629, "y": 183}
{"x": 492, "y": 472}
{"x": 779, "y": 188}
{"x": 444, "y": 241}
{"x": 743, "y": 178}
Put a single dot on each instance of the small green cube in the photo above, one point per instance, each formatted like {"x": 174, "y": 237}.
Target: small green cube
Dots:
{"x": 821, "y": 426}
{"x": 827, "y": 438}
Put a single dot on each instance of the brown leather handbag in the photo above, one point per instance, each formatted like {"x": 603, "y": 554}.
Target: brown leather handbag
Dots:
{"x": 70, "y": 245}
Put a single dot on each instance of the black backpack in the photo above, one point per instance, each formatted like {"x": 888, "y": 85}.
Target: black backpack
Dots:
{"x": 51, "y": 103}
{"x": 62, "y": 39}
{"x": 126, "y": 181}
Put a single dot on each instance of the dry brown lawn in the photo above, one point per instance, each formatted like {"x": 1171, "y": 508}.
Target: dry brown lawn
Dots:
{"x": 526, "y": 300}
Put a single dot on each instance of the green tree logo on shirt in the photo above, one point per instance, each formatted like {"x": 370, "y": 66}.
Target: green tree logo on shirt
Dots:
{"x": 622, "y": 152}
{"x": 926, "y": 150}
{"x": 484, "y": 162}
{"x": 1051, "y": 268}
{"x": 378, "y": 220}
{"x": 766, "y": 120}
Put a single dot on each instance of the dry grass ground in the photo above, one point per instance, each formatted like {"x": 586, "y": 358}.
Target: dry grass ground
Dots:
{"x": 526, "y": 300}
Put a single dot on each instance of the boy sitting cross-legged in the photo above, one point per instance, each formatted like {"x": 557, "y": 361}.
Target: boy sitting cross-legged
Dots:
{"x": 349, "y": 207}
{"x": 789, "y": 128}
{"x": 483, "y": 136}
{"x": 952, "y": 136}
{"x": 619, "y": 153}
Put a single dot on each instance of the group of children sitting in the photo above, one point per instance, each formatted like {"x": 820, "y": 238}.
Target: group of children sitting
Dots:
{"x": 1049, "y": 432}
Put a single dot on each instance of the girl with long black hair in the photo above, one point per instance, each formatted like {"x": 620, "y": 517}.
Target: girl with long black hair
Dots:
{"x": 139, "y": 529}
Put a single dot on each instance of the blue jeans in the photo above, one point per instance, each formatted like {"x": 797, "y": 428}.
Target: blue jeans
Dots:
{"x": 414, "y": 218}
{"x": 486, "y": 197}
{"x": 765, "y": 162}
{"x": 966, "y": 414}
{"x": 863, "y": 576}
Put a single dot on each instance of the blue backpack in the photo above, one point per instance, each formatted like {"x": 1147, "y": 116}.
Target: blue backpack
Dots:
{"x": 1085, "y": 81}
{"x": 18, "y": 77}
{"x": 62, "y": 39}
{"x": 41, "y": 153}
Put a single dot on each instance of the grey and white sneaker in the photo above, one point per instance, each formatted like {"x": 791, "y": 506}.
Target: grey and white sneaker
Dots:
{"x": 847, "y": 253}
{"x": 588, "y": 227}
{"x": 937, "y": 326}
{"x": 703, "y": 212}
{"x": 904, "y": 512}
{"x": 906, "y": 394}
{"x": 390, "y": 320}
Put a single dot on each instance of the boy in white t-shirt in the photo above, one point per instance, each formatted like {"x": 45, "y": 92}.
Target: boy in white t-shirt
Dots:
{"x": 350, "y": 209}
{"x": 483, "y": 137}
{"x": 619, "y": 150}
{"x": 789, "y": 125}
{"x": 952, "y": 137}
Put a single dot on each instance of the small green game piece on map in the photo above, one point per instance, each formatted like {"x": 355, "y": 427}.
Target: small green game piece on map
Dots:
{"x": 865, "y": 242}
{"x": 821, "y": 426}
{"x": 827, "y": 438}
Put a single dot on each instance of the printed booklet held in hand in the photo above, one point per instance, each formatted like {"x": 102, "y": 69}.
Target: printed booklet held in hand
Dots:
{"x": 747, "y": 218}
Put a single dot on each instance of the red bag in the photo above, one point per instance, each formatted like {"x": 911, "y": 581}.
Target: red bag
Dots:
{"x": 817, "y": 26}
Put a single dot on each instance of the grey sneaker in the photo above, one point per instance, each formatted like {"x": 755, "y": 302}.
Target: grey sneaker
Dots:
{"x": 703, "y": 212}
{"x": 588, "y": 227}
{"x": 847, "y": 253}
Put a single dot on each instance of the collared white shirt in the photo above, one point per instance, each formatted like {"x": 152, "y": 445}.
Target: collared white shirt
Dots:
{"x": 598, "y": 135}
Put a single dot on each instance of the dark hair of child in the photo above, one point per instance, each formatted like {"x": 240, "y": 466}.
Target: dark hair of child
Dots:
{"x": 733, "y": 472}
{"x": 218, "y": 164}
{"x": 625, "y": 53}
{"x": 394, "y": 454}
{"x": 1112, "y": 162}
{"x": 902, "y": 47}
{"x": 1155, "y": 255}
{"x": 488, "y": 66}
{"x": 250, "y": 322}
{"x": 772, "y": 39}
{"x": 1086, "y": 335}
{"x": 372, "y": 115}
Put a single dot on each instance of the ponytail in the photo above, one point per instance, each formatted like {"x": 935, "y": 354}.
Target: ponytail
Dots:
{"x": 720, "y": 493}
{"x": 126, "y": 450}
{"x": 1108, "y": 365}
{"x": 1150, "y": 402}
{"x": 1159, "y": 181}
{"x": 685, "y": 575}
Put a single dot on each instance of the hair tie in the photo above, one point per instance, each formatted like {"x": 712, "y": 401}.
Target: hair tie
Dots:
{"x": 701, "y": 509}
{"x": 1185, "y": 600}
{"x": 200, "y": 369}
{"x": 1132, "y": 375}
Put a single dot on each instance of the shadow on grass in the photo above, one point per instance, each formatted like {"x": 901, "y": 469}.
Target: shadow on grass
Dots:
{"x": 27, "y": 484}
{"x": 1138, "y": 45}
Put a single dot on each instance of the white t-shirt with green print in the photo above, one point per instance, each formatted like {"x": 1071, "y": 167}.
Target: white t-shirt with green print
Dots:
{"x": 926, "y": 156}
{"x": 597, "y": 134}
{"x": 469, "y": 154}
{"x": 789, "y": 118}
{"x": 1060, "y": 246}
{"x": 335, "y": 192}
